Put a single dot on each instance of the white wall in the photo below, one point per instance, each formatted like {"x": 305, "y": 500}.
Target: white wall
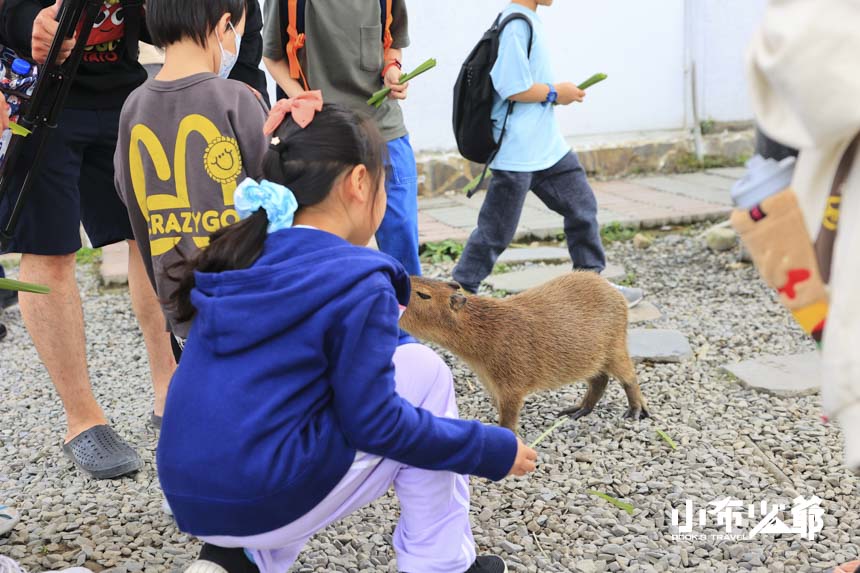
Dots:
{"x": 640, "y": 45}
{"x": 724, "y": 28}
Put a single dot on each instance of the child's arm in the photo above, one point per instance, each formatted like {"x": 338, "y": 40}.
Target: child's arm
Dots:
{"x": 567, "y": 94}
{"x": 247, "y": 122}
{"x": 512, "y": 75}
{"x": 274, "y": 55}
{"x": 400, "y": 40}
{"x": 393, "y": 73}
{"x": 280, "y": 71}
{"x": 376, "y": 420}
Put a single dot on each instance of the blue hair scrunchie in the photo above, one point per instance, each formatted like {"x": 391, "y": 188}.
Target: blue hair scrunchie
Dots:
{"x": 278, "y": 201}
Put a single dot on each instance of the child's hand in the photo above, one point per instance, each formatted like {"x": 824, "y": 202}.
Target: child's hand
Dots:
{"x": 526, "y": 460}
{"x": 392, "y": 80}
{"x": 569, "y": 93}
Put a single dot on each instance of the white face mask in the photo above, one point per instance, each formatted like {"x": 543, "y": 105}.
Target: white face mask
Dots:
{"x": 228, "y": 59}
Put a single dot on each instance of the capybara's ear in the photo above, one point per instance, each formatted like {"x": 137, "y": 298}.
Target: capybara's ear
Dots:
{"x": 455, "y": 286}
{"x": 423, "y": 295}
{"x": 458, "y": 301}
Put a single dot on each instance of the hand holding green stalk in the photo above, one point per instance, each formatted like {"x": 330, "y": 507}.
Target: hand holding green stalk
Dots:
{"x": 377, "y": 98}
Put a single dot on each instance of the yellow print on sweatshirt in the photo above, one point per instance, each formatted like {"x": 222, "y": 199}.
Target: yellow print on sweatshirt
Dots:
{"x": 171, "y": 217}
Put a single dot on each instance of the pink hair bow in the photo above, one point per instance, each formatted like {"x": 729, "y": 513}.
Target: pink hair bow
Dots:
{"x": 303, "y": 108}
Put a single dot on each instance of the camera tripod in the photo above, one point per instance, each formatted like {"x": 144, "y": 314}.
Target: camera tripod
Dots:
{"x": 43, "y": 109}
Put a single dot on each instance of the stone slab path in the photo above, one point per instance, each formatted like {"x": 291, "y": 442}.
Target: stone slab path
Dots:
{"x": 641, "y": 202}
{"x": 514, "y": 256}
{"x": 644, "y": 312}
{"x": 645, "y": 202}
{"x": 787, "y": 376}
{"x": 656, "y": 345}
{"x": 519, "y": 281}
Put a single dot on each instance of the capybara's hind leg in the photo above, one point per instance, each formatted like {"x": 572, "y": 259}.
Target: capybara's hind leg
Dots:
{"x": 509, "y": 411}
{"x": 622, "y": 369}
{"x": 596, "y": 388}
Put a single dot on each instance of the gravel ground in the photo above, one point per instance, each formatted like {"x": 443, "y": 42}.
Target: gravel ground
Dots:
{"x": 545, "y": 522}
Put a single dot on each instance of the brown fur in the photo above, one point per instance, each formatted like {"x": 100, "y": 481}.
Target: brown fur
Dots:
{"x": 570, "y": 329}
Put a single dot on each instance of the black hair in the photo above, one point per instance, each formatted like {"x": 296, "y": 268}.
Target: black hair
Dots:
{"x": 171, "y": 21}
{"x": 309, "y": 162}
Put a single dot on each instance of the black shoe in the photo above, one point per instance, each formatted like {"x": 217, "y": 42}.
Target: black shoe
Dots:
{"x": 231, "y": 560}
{"x": 8, "y": 298}
{"x": 3, "y": 331}
{"x": 488, "y": 564}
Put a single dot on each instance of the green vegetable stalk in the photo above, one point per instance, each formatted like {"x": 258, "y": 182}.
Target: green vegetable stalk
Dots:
{"x": 667, "y": 439}
{"x": 552, "y": 428}
{"x": 473, "y": 184}
{"x": 595, "y": 79}
{"x": 617, "y": 503}
{"x": 377, "y": 98}
{"x": 9, "y": 284}
{"x": 19, "y": 129}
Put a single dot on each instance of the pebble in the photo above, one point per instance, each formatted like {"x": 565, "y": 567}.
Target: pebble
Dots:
{"x": 728, "y": 315}
{"x": 721, "y": 239}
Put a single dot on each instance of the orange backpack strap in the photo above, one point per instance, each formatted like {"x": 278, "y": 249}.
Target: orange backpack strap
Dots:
{"x": 387, "y": 38}
{"x": 295, "y": 42}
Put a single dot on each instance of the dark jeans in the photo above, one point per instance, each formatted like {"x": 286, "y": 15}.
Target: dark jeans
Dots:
{"x": 771, "y": 149}
{"x": 563, "y": 188}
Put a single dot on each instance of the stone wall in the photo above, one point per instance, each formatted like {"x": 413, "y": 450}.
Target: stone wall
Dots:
{"x": 441, "y": 172}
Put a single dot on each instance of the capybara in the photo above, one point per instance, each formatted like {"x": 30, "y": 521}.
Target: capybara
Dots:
{"x": 569, "y": 329}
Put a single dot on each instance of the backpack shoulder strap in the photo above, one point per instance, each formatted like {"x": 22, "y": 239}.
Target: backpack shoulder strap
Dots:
{"x": 296, "y": 38}
{"x": 826, "y": 240}
{"x": 132, "y": 11}
{"x": 499, "y": 25}
{"x": 387, "y": 21}
{"x": 518, "y": 16}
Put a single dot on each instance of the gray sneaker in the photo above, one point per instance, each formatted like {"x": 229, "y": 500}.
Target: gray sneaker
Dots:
{"x": 633, "y": 295}
{"x": 8, "y": 519}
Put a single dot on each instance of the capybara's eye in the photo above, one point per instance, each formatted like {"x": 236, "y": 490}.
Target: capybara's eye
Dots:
{"x": 424, "y": 296}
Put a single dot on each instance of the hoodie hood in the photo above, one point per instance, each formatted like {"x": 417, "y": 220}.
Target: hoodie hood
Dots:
{"x": 300, "y": 271}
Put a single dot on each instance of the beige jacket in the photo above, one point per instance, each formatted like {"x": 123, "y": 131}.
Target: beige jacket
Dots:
{"x": 803, "y": 70}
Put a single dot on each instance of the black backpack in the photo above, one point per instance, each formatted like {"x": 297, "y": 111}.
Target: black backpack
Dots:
{"x": 473, "y": 96}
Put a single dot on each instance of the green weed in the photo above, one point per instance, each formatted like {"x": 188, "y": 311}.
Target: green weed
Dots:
{"x": 446, "y": 251}
{"x": 88, "y": 256}
{"x": 614, "y": 232}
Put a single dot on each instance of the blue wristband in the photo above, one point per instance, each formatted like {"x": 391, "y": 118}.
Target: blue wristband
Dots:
{"x": 552, "y": 96}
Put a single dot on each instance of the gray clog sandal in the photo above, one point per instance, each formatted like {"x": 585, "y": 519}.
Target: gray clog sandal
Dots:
{"x": 102, "y": 454}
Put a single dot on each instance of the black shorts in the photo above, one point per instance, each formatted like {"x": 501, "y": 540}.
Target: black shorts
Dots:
{"x": 73, "y": 184}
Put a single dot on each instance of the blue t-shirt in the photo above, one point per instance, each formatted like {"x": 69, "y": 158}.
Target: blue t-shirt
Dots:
{"x": 533, "y": 140}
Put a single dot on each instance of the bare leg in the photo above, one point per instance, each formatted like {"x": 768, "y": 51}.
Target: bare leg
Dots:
{"x": 56, "y": 324}
{"x": 596, "y": 388}
{"x": 152, "y": 323}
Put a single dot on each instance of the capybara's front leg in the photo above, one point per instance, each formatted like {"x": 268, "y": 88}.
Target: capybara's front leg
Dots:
{"x": 509, "y": 410}
{"x": 596, "y": 388}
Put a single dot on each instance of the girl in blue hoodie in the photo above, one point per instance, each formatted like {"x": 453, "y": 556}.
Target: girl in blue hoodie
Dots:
{"x": 295, "y": 402}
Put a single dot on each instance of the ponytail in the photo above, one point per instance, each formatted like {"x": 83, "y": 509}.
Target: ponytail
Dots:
{"x": 306, "y": 160}
{"x": 231, "y": 248}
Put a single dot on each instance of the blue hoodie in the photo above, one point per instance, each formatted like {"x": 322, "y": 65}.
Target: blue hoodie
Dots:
{"x": 286, "y": 374}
